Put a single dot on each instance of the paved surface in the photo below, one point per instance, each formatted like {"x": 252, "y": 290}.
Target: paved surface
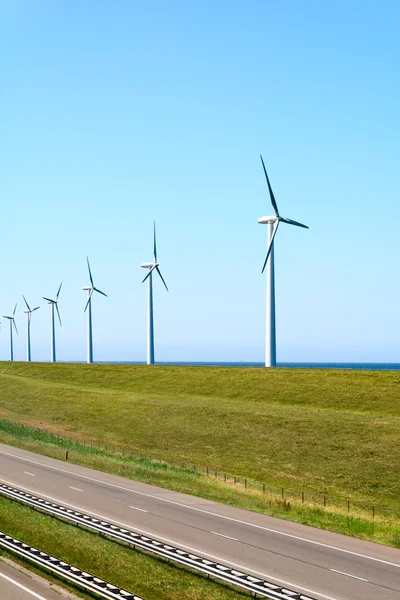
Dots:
{"x": 322, "y": 564}
{"x": 16, "y": 583}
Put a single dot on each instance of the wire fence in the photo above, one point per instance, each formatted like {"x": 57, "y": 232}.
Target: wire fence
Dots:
{"x": 284, "y": 495}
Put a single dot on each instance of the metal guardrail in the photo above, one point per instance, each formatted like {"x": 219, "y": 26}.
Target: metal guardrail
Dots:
{"x": 85, "y": 580}
{"x": 248, "y": 582}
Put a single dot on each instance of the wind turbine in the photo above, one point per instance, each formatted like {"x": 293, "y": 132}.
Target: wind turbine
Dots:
{"x": 54, "y": 303}
{"x": 273, "y": 224}
{"x": 151, "y": 266}
{"x": 90, "y": 289}
{"x": 28, "y": 331}
{"x": 12, "y": 322}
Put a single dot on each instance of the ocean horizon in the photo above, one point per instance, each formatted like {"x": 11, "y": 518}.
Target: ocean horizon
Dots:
{"x": 384, "y": 366}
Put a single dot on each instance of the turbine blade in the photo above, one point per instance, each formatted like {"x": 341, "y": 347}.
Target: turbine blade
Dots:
{"x": 36, "y": 308}
{"x": 15, "y": 308}
{"x": 89, "y": 298}
{"x": 99, "y": 291}
{"x": 15, "y": 326}
{"x": 162, "y": 278}
{"x": 90, "y": 272}
{"x": 155, "y": 244}
{"x": 270, "y": 246}
{"x": 58, "y": 312}
{"x": 271, "y": 193}
{"x": 290, "y": 222}
{"x": 148, "y": 274}
{"x": 28, "y": 307}
{"x": 48, "y": 299}
{"x": 59, "y": 290}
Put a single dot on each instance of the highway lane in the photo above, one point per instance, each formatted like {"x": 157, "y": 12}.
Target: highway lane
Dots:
{"x": 322, "y": 564}
{"x": 16, "y": 583}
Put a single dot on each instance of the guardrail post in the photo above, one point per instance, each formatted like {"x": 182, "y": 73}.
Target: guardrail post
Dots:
{"x": 66, "y": 455}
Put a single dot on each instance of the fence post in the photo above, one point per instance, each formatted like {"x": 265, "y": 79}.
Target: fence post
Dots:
{"x": 348, "y": 505}
{"x": 245, "y": 483}
{"x": 302, "y": 497}
{"x": 373, "y": 512}
{"x": 66, "y": 455}
{"x": 207, "y": 471}
{"x": 234, "y": 480}
{"x": 283, "y": 493}
{"x": 324, "y": 500}
{"x": 263, "y": 488}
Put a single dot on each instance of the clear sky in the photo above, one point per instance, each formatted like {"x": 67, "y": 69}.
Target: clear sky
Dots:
{"x": 117, "y": 113}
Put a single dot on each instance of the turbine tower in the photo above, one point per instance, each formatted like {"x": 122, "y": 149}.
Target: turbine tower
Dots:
{"x": 54, "y": 303}
{"x": 151, "y": 266}
{"x": 90, "y": 289}
{"x": 273, "y": 224}
{"x": 28, "y": 312}
{"x": 12, "y": 322}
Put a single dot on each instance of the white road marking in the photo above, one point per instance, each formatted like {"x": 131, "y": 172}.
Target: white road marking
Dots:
{"x": 225, "y": 536}
{"x": 348, "y": 575}
{"x": 141, "y": 509}
{"x": 174, "y": 542}
{"x": 22, "y": 587}
{"x": 289, "y": 535}
{"x": 31, "y": 474}
{"x": 74, "y": 488}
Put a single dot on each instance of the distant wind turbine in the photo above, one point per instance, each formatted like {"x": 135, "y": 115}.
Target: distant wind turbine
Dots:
{"x": 90, "y": 289}
{"x": 12, "y": 322}
{"x": 54, "y": 303}
{"x": 151, "y": 266}
{"x": 28, "y": 312}
{"x": 273, "y": 224}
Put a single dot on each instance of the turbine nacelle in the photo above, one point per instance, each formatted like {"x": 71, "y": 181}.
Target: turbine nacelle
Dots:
{"x": 148, "y": 265}
{"x": 267, "y": 220}
{"x": 275, "y": 220}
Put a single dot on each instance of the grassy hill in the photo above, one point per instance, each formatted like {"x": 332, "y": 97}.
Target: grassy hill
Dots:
{"x": 334, "y": 431}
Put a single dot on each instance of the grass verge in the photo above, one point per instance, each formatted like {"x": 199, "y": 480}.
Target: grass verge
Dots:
{"x": 137, "y": 572}
{"x": 190, "y": 481}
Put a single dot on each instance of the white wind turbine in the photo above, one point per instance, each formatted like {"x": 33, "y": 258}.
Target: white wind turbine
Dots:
{"x": 12, "y": 322}
{"x": 273, "y": 224}
{"x": 54, "y": 303}
{"x": 28, "y": 312}
{"x": 151, "y": 266}
{"x": 90, "y": 289}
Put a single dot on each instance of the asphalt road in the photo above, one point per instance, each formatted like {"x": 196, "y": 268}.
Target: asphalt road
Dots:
{"x": 17, "y": 583}
{"x": 322, "y": 564}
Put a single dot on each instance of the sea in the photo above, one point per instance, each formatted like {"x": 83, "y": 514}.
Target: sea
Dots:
{"x": 297, "y": 365}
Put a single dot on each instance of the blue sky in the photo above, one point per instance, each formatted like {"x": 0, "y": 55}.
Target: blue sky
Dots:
{"x": 115, "y": 114}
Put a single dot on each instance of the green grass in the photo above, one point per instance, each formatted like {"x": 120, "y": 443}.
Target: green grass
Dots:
{"x": 332, "y": 431}
{"x": 149, "y": 577}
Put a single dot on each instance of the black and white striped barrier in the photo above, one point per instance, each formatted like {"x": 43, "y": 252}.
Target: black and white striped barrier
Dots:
{"x": 256, "y": 585}
{"x": 85, "y": 580}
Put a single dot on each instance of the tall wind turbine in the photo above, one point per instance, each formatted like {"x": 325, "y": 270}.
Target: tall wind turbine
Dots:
{"x": 54, "y": 303}
{"x": 28, "y": 312}
{"x": 151, "y": 266}
{"x": 90, "y": 289}
{"x": 273, "y": 224}
{"x": 12, "y": 322}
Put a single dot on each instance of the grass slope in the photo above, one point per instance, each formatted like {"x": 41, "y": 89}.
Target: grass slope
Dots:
{"x": 335, "y": 431}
